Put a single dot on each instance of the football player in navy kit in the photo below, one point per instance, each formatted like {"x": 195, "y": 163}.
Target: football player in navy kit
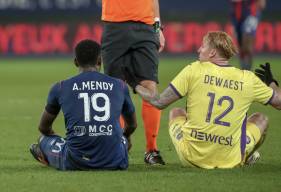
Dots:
{"x": 91, "y": 103}
{"x": 246, "y": 15}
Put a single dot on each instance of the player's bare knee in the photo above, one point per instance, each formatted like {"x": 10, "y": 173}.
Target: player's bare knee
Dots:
{"x": 260, "y": 120}
{"x": 176, "y": 112}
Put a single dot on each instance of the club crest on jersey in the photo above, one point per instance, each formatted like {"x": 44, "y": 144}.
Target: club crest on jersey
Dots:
{"x": 79, "y": 131}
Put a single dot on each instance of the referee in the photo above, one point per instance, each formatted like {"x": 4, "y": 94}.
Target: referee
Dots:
{"x": 132, "y": 38}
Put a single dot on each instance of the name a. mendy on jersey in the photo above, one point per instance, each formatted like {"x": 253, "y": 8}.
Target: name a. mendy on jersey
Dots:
{"x": 92, "y": 85}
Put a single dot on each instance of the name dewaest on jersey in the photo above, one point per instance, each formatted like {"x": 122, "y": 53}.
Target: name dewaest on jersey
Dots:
{"x": 92, "y": 85}
{"x": 224, "y": 83}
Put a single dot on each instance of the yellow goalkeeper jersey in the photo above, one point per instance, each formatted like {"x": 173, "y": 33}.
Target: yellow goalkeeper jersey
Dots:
{"x": 217, "y": 101}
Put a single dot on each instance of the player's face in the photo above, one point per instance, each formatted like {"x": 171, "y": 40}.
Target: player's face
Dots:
{"x": 204, "y": 51}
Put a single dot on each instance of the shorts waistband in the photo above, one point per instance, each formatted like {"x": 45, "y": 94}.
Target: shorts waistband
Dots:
{"x": 128, "y": 24}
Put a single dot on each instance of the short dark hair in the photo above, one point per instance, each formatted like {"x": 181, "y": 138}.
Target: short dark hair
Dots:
{"x": 87, "y": 52}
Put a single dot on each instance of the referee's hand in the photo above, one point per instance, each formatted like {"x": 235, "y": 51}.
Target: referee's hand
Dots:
{"x": 162, "y": 41}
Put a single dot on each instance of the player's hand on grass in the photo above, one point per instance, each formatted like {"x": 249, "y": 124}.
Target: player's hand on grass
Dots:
{"x": 130, "y": 78}
{"x": 265, "y": 74}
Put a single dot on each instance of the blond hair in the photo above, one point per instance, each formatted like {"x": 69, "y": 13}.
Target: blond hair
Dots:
{"x": 222, "y": 42}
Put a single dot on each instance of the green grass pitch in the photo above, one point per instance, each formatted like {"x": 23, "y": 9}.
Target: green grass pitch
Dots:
{"x": 24, "y": 87}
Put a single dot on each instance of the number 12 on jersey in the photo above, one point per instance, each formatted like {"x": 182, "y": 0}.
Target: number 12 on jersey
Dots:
{"x": 218, "y": 120}
{"x": 93, "y": 101}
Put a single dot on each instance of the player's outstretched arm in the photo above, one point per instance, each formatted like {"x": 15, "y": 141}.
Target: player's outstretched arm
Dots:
{"x": 161, "y": 101}
{"x": 276, "y": 99}
{"x": 265, "y": 74}
{"x": 46, "y": 122}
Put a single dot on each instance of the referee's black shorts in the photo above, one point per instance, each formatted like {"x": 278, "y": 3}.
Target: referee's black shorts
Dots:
{"x": 131, "y": 44}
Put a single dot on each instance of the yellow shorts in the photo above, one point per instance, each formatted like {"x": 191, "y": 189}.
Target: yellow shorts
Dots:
{"x": 253, "y": 137}
{"x": 176, "y": 134}
{"x": 175, "y": 130}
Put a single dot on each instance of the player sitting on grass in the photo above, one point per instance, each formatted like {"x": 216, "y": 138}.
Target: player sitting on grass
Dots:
{"x": 214, "y": 130}
{"x": 91, "y": 103}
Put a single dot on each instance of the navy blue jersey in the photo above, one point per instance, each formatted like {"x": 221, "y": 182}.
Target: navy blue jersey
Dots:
{"x": 245, "y": 18}
{"x": 92, "y": 103}
{"x": 241, "y": 9}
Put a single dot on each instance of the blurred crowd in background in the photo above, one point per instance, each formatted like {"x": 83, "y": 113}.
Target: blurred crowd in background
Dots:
{"x": 53, "y": 27}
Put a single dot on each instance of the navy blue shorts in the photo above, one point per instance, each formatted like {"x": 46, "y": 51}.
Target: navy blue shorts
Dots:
{"x": 247, "y": 25}
{"x": 54, "y": 149}
{"x": 56, "y": 152}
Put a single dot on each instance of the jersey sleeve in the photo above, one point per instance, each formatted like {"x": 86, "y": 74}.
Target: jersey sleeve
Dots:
{"x": 128, "y": 106}
{"x": 181, "y": 82}
{"x": 261, "y": 92}
{"x": 53, "y": 105}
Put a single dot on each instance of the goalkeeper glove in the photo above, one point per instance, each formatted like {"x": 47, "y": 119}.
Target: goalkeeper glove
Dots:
{"x": 265, "y": 74}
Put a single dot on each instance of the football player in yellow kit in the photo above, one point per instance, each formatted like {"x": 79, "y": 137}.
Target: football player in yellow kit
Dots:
{"x": 214, "y": 131}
